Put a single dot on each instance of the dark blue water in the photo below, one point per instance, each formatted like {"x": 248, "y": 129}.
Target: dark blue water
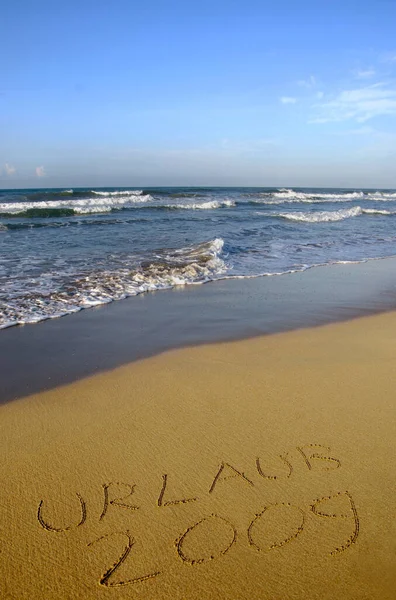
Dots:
{"x": 64, "y": 250}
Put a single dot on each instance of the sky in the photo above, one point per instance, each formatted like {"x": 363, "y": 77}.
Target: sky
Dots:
{"x": 220, "y": 92}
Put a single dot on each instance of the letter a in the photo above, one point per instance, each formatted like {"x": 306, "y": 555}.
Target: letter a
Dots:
{"x": 235, "y": 473}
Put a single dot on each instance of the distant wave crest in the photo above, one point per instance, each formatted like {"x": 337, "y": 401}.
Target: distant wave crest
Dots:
{"x": 290, "y": 196}
{"x": 211, "y": 204}
{"x": 118, "y": 193}
{"x": 65, "y": 207}
{"x": 101, "y": 204}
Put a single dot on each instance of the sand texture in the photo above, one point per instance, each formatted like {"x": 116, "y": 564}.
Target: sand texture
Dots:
{"x": 260, "y": 469}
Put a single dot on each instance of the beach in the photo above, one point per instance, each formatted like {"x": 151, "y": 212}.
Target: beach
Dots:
{"x": 227, "y": 441}
{"x": 259, "y": 468}
{"x": 198, "y": 301}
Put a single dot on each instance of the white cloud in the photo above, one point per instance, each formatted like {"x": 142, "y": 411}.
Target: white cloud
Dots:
{"x": 364, "y": 73}
{"x": 307, "y": 83}
{"x": 287, "y": 100}
{"x": 9, "y": 169}
{"x": 319, "y": 95}
{"x": 359, "y": 105}
{"x": 40, "y": 171}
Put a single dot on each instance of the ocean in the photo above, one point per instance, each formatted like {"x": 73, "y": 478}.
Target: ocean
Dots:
{"x": 66, "y": 250}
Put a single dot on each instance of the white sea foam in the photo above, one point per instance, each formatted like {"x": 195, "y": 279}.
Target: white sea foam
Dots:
{"x": 211, "y": 204}
{"x": 105, "y": 204}
{"x": 80, "y": 206}
{"x": 286, "y": 196}
{"x": 119, "y": 193}
{"x": 323, "y": 215}
{"x": 373, "y": 211}
{"x": 58, "y": 294}
{"x": 329, "y": 215}
{"x": 383, "y": 194}
{"x": 290, "y": 194}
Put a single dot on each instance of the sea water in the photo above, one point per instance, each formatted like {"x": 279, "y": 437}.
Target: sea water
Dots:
{"x": 62, "y": 250}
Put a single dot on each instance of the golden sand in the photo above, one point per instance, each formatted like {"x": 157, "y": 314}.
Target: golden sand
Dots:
{"x": 260, "y": 469}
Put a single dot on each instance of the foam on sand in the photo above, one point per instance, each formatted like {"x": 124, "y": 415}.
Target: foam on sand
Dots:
{"x": 250, "y": 470}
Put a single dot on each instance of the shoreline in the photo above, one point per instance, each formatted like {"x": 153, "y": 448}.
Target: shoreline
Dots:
{"x": 256, "y": 469}
{"x": 59, "y": 351}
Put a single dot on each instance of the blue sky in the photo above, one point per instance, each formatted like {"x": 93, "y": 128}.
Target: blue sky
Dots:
{"x": 125, "y": 93}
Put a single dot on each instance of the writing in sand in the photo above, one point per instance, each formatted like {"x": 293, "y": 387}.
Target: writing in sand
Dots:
{"x": 213, "y": 535}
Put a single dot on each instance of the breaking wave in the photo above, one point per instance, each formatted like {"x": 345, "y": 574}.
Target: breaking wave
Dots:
{"x": 373, "y": 211}
{"x": 331, "y": 215}
{"x": 384, "y": 195}
{"x": 119, "y": 193}
{"x": 323, "y": 215}
{"x": 65, "y": 208}
{"x": 285, "y": 193}
{"x": 211, "y": 204}
{"x": 57, "y": 294}
{"x": 50, "y": 208}
{"x": 290, "y": 196}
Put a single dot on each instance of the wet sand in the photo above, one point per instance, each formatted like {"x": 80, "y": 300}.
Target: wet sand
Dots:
{"x": 257, "y": 469}
{"x": 52, "y": 353}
